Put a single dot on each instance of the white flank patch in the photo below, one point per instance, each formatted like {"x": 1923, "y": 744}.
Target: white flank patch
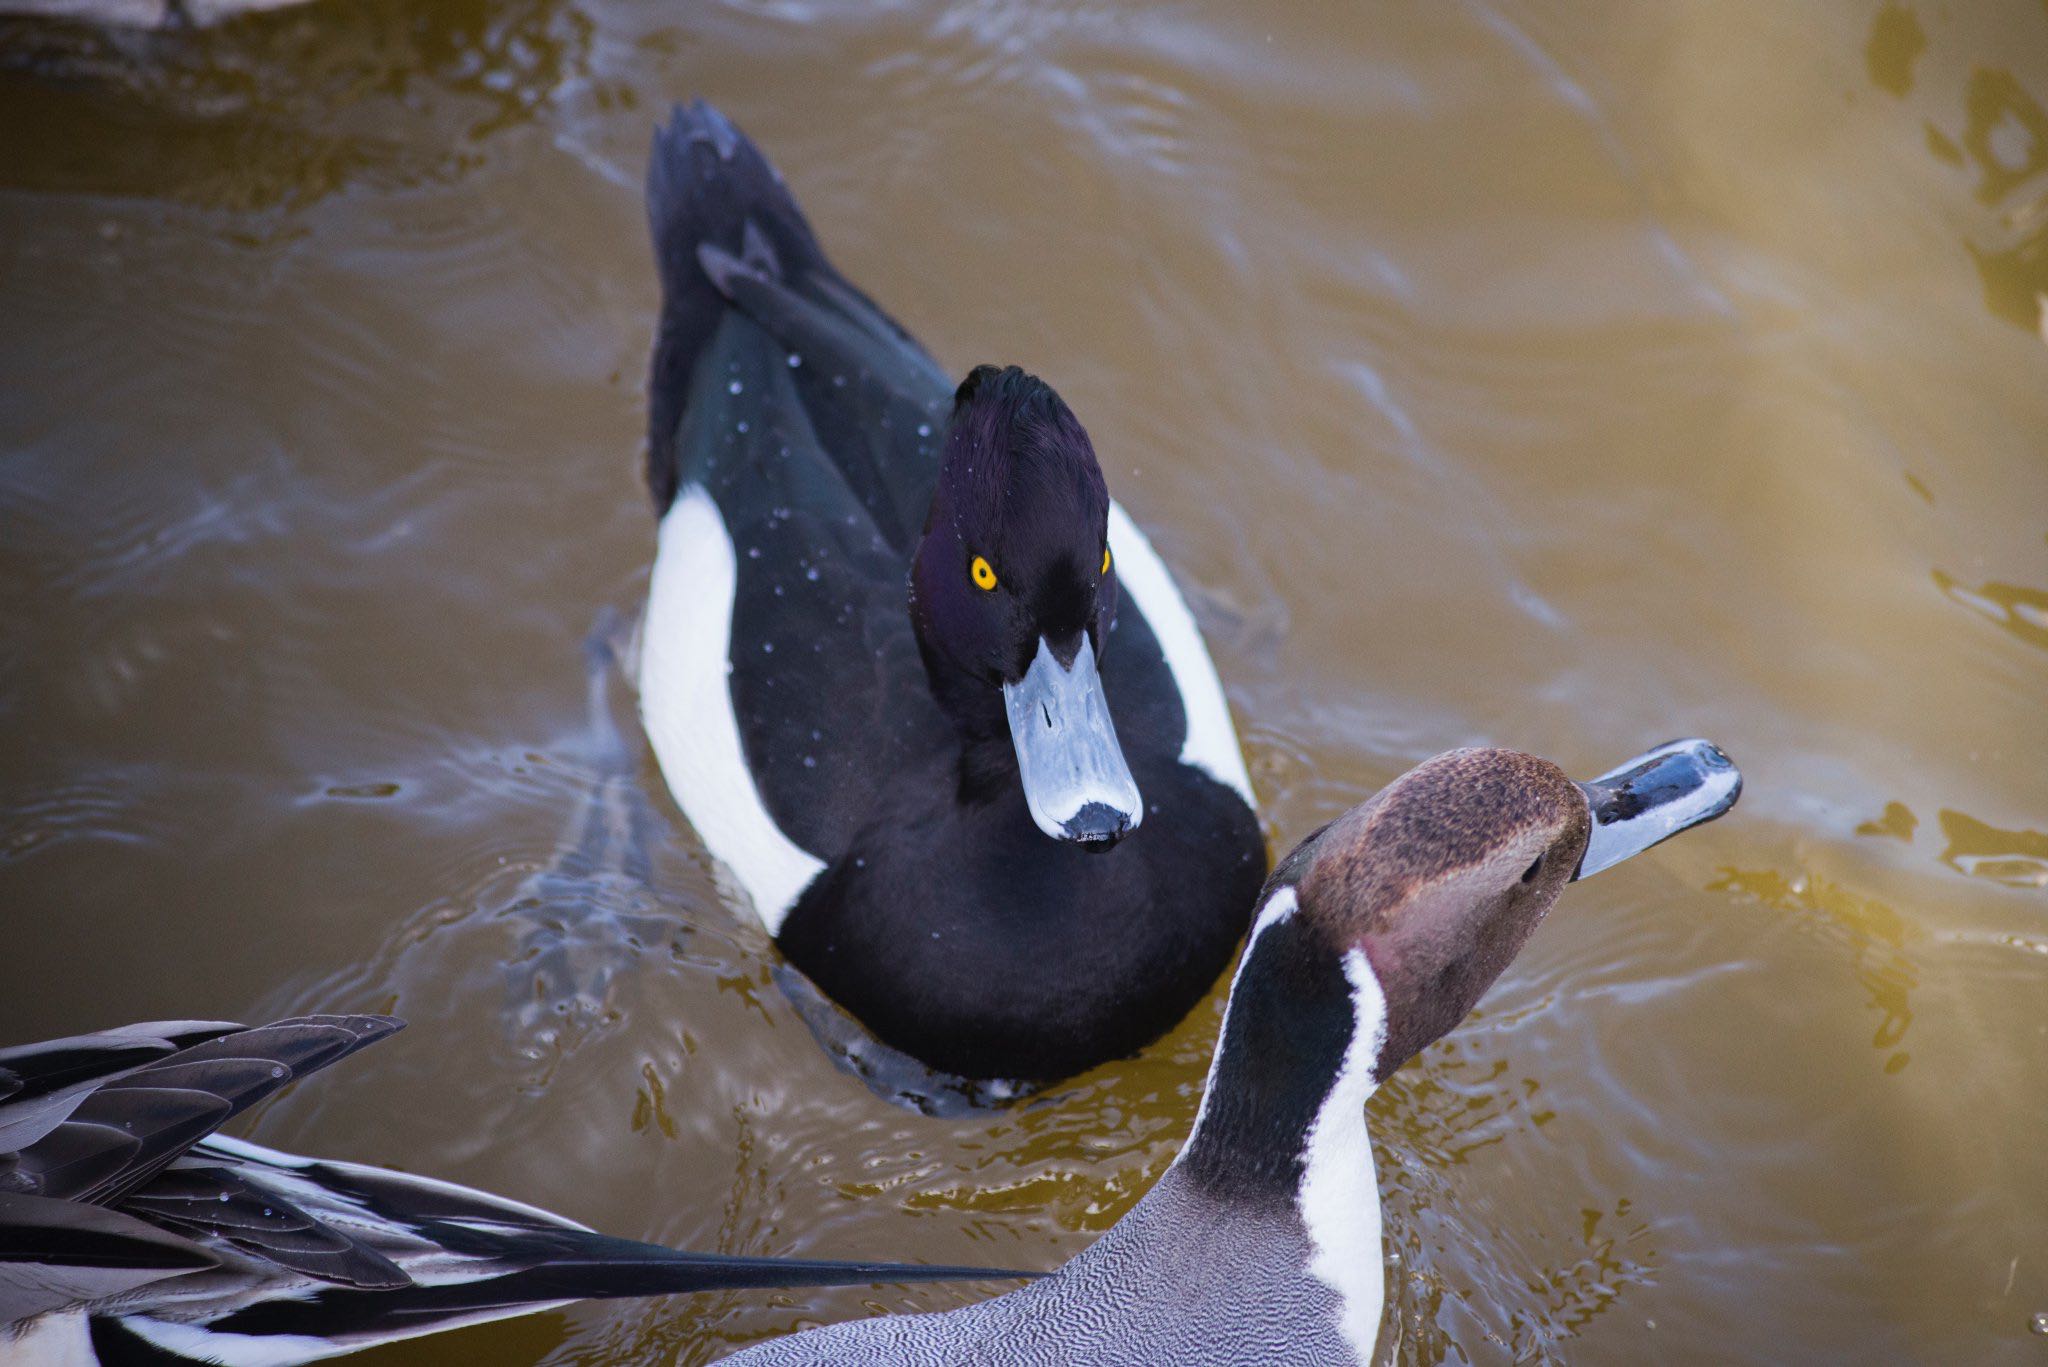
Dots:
{"x": 50, "y": 1341}
{"x": 1340, "y": 1195}
{"x": 686, "y": 707}
{"x": 1211, "y": 745}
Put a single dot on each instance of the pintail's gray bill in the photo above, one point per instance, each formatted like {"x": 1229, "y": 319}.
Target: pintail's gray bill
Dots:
{"x": 1655, "y": 796}
{"x": 1075, "y": 779}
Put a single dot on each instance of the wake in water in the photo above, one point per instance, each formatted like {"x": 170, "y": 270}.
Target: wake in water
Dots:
{"x": 591, "y": 916}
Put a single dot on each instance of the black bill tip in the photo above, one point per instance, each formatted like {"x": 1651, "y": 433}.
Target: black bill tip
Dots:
{"x": 1096, "y": 827}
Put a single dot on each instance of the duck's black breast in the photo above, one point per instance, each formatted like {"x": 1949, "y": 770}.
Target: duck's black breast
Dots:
{"x": 962, "y": 935}
{"x": 969, "y": 940}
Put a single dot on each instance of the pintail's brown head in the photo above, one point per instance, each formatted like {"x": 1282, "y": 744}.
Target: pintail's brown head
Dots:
{"x": 1380, "y": 932}
{"x": 1439, "y": 880}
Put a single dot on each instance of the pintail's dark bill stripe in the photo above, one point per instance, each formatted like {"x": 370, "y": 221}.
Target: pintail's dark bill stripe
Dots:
{"x": 1653, "y": 797}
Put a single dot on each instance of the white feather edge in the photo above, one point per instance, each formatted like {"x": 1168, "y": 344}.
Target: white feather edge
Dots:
{"x": 201, "y": 1344}
{"x": 288, "y": 1173}
{"x": 1274, "y": 909}
{"x": 292, "y": 1164}
{"x": 1340, "y": 1196}
{"x": 57, "y": 1340}
{"x": 1339, "y": 1200}
{"x": 1211, "y": 743}
{"x": 686, "y": 696}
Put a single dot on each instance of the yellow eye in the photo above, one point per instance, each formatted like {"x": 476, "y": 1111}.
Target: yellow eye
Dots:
{"x": 983, "y": 572}
{"x": 1105, "y": 560}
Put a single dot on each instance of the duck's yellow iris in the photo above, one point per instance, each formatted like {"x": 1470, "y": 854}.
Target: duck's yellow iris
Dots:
{"x": 983, "y": 572}
{"x": 1105, "y": 560}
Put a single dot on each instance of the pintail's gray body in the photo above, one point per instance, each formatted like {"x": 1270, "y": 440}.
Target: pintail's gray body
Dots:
{"x": 1149, "y": 1292}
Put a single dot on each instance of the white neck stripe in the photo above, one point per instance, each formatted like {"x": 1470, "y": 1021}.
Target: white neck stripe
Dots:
{"x": 1340, "y": 1198}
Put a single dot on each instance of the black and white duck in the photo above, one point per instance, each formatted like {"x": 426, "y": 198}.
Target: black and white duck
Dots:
{"x": 918, "y": 682}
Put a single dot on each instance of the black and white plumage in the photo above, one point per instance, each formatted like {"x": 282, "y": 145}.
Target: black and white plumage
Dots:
{"x": 1261, "y": 1247}
{"x": 131, "y": 1230}
{"x": 907, "y": 668}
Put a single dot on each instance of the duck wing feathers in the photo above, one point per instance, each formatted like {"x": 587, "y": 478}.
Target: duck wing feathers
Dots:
{"x": 730, "y": 239}
{"x": 180, "y": 1241}
{"x": 812, "y": 421}
{"x": 827, "y": 685}
{"x": 132, "y": 1124}
{"x": 41, "y": 1084}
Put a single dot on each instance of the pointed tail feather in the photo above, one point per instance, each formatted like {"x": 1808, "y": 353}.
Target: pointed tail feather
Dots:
{"x": 273, "y": 1258}
{"x": 586, "y": 1266}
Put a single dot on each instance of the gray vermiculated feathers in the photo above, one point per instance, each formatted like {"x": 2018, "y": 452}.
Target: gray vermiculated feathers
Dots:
{"x": 1182, "y": 1279}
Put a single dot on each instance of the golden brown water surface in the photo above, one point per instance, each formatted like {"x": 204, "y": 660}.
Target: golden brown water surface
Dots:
{"x": 1560, "y": 376}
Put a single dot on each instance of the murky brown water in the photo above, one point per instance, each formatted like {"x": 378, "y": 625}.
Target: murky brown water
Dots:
{"x": 1554, "y": 376}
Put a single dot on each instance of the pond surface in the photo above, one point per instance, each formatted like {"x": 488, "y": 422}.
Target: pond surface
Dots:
{"x": 1564, "y": 377}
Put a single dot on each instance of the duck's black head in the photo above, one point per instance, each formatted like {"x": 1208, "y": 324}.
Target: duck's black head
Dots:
{"x": 1379, "y": 933}
{"x": 1013, "y": 591}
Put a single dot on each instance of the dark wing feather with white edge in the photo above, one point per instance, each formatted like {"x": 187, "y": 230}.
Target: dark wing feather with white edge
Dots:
{"x": 185, "y": 1245}
{"x": 730, "y": 239}
{"x": 469, "y": 1257}
{"x": 41, "y": 1084}
{"x": 131, "y": 1125}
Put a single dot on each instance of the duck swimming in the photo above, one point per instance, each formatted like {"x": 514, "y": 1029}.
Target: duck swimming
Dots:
{"x": 1260, "y": 1246}
{"x": 130, "y": 1231}
{"x": 916, "y": 680}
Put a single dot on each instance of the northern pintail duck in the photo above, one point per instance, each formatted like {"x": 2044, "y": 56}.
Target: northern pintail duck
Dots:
{"x": 1260, "y": 1247}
